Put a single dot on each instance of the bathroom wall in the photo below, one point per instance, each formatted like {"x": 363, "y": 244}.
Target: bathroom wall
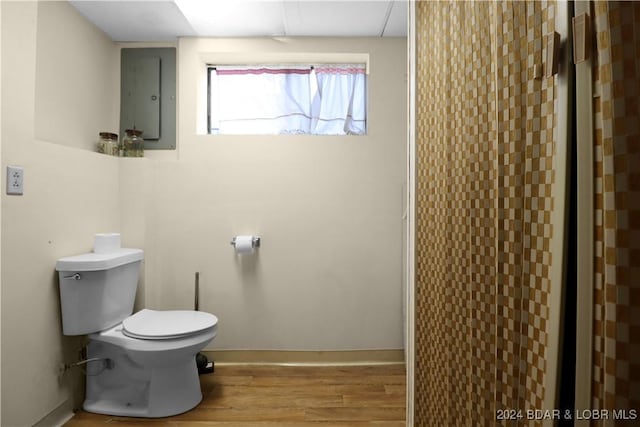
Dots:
{"x": 329, "y": 211}
{"x": 69, "y": 193}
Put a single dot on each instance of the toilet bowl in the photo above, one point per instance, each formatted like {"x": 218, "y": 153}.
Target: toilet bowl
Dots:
{"x": 138, "y": 365}
{"x": 148, "y": 375}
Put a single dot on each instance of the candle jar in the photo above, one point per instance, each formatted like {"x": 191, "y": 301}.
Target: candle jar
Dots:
{"x": 132, "y": 143}
{"x": 108, "y": 143}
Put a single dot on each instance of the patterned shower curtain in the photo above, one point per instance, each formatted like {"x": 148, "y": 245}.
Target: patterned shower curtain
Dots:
{"x": 616, "y": 311}
{"x": 485, "y": 173}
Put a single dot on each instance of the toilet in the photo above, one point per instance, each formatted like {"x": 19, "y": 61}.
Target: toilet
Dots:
{"x": 138, "y": 365}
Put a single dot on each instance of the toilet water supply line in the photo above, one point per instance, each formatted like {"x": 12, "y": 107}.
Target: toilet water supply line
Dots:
{"x": 106, "y": 364}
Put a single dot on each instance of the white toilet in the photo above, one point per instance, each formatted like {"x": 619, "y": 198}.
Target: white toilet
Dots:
{"x": 140, "y": 365}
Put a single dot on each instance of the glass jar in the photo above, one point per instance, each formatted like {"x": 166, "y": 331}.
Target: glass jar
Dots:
{"x": 132, "y": 143}
{"x": 107, "y": 143}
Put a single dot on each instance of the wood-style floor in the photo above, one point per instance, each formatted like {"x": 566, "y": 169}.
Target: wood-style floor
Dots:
{"x": 258, "y": 396}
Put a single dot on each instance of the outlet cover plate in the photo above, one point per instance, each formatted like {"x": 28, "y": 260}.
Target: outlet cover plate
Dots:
{"x": 15, "y": 180}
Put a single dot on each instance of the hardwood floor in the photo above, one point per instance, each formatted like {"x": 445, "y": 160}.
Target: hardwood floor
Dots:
{"x": 259, "y": 396}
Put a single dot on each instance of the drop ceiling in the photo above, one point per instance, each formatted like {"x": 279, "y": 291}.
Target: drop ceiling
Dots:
{"x": 154, "y": 21}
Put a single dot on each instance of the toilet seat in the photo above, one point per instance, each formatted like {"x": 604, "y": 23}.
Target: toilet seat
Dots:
{"x": 170, "y": 324}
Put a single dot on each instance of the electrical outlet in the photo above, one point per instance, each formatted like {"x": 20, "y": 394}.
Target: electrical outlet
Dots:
{"x": 15, "y": 180}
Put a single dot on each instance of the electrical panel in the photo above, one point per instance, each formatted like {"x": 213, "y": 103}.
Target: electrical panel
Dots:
{"x": 148, "y": 95}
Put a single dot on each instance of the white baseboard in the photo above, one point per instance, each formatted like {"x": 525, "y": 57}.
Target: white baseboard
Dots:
{"x": 59, "y": 416}
{"x": 319, "y": 358}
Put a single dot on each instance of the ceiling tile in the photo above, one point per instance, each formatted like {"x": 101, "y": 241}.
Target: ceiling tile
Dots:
{"x": 148, "y": 21}
{"x": 335, "y": 18}
{"x": 238, "y": 18}
{"x": 398, "y": 20}
{"x": 136, "y": 20}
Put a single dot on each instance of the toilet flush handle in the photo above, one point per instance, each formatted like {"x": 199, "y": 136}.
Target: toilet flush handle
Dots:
{"x": 76, "y": 276}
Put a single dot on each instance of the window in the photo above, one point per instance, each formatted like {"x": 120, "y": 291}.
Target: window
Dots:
{"x": 327, "y": 99}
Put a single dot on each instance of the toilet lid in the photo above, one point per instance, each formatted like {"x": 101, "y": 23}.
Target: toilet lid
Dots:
{"x": 153, "y": 324}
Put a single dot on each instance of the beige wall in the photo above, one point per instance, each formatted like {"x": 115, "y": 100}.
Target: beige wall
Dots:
{"x": 69, "y": 194}
{"x": 76, "y": 78}
{"x": 329, "y": 209}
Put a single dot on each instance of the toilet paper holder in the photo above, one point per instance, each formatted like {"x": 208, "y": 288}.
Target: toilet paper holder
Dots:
{"x": 255, "y": 242}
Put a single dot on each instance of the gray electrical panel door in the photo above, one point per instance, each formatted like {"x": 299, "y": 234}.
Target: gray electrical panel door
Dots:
{"x": 141, "y": 102}
{"x": 148, "y": 95}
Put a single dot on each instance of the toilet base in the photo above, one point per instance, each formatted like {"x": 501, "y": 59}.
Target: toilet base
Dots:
{"x": 126, "y": 388}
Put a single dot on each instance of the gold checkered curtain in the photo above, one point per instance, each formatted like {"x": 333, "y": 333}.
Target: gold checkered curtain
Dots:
{"x": 484, "y": 156}
{"x": 616, "y": 343}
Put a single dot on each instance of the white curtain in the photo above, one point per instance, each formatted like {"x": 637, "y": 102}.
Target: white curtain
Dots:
{"x": 324, "y": 100}
{"x": 340, "y": 106}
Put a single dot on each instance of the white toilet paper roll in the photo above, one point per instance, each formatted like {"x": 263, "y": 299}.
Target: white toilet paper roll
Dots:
{"x": 104, "y": 243}
{"x": 244, "y": 244}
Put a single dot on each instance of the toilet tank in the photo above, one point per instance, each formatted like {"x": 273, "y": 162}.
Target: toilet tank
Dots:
{"x": 97, "y": 290}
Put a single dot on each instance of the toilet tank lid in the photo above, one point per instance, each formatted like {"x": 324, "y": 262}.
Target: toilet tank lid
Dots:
{"x": 94, "y": 262}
